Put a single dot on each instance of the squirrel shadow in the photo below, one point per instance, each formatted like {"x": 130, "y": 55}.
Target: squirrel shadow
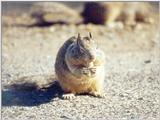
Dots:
{"x": 29, "y": 93}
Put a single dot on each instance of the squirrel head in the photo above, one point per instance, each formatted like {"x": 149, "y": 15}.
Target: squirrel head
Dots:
{"x": 86, "y": 43}
{"x": 83, "y": 51}
{"x": 86, "y": 48}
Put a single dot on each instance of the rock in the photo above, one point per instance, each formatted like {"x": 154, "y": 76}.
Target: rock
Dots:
{"x": 109, "y": 12}
{"x": 19, "y": 20}
{"x": 98, "y": 12}
{"x": 53, "y": 12}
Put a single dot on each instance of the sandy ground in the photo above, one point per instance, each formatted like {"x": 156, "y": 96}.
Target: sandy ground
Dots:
{"x": 132, "y": 84}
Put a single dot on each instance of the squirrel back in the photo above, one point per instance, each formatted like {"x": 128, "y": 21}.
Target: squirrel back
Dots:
{"x": 60, "y": 61}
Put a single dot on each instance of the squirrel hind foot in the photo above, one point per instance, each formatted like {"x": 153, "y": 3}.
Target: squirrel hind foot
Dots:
{"x": 68, "y": 96}
{"x": 97, "y": 94}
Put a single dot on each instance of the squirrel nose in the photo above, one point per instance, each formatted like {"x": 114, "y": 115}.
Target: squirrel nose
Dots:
{"x": 92, "y": 57}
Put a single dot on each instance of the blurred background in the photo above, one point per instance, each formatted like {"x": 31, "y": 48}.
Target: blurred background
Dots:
{"x": 24, "y": 6}
{"x": 83, "y": 9}
{"x": 128, "y": 33}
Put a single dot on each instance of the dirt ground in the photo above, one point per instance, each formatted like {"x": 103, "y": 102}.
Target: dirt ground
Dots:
{"x": 132, "y": 84}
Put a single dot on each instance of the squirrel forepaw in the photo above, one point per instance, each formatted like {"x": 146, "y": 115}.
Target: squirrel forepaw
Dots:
{"x": 85, "y": 71}
{"x": 88, "y": 71}
{"x": 93, "y": 70}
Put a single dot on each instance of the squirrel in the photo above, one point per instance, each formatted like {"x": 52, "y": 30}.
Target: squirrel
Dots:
{"x": 109, "y": 12}
{"x": 80, "y": 67}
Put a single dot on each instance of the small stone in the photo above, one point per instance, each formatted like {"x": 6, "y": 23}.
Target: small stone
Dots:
{"x": 140, "y": 98}
{"x": 147, "y": 61}
{"x": 47, "y": 12}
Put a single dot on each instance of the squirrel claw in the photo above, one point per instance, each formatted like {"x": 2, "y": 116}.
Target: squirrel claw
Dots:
{"x": 93, "y": 70}
{"x": 68, "y": 96}
{"x": 97, "y": 94}
{"x": 85, "y": 71}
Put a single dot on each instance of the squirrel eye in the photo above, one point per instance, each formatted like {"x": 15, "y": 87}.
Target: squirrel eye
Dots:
{"x": 81, "y": 50}
{"x": 88, "y": 39}
{"x": 73, "y": 51}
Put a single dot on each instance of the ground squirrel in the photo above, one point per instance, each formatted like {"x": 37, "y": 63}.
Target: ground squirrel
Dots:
{"x": 109, "y": 12}
{"x": 80, "y": 67}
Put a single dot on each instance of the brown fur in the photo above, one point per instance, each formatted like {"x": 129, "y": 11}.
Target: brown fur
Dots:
{"x": 80, "y": 74}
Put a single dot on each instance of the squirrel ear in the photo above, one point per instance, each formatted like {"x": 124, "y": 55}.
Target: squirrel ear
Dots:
{"x": 79, "y": 36}
{"x": 78, "y": 39}
{"x": 90, "y": 35}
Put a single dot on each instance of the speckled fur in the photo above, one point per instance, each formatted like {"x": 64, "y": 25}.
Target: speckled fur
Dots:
{"x": 83, "y": 74}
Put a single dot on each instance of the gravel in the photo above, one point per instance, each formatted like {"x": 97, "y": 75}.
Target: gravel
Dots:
{"x": 132, "y": 84}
